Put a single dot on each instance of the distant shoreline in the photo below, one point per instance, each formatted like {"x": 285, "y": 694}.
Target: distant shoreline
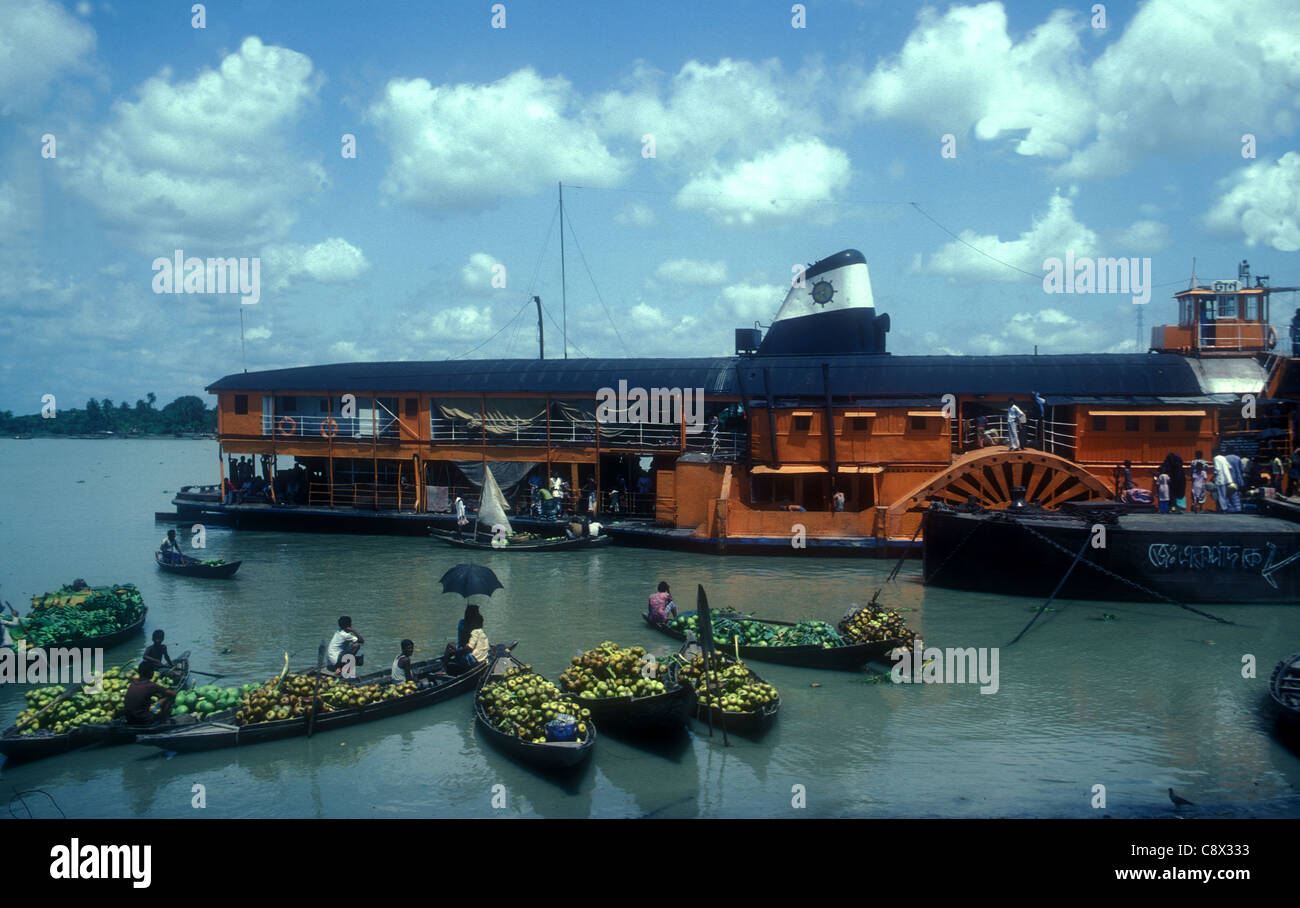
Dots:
{"x": 180, "y": 436}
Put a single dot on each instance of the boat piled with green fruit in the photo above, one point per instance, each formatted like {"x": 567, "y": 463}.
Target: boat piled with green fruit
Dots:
{"x": 82, "y": 616}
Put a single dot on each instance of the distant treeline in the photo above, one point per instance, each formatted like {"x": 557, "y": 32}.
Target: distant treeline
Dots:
{"x": 184, "y": 414}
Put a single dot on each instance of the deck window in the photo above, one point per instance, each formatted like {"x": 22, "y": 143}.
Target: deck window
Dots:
{"x": 1099, "y": 424}
{"x": 802, "y": 422}
{"x": 1162, "y": 423}
{"x": 1192, "y": 424}
{"x": 918, "y": 423}
{"x": 1130, "y": 423}
{"x": 859, "y": 423}
{"x": 241, "y": 404}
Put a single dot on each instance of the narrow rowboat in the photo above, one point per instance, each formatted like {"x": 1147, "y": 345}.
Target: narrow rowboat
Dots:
{"x": 18, "y": 747}
{"x": 527, "y": 545}
{"x": 213, "y": 735}
{"x": 657, "y": 712}
{"x": 751, "y": 723}
{"x": 1284, "y": 688}
{"x": 850, "y": 657}
{"x": 195, "y": 568}
{"x": 550, "y": 755}
{"x": 104, "y": 641}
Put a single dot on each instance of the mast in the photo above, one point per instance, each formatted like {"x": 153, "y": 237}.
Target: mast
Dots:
{"x": 564, "y": 290}
{"x": 541, "y": 332}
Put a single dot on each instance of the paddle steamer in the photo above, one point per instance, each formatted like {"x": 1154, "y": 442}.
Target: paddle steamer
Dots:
{"x": 812, "y": 407}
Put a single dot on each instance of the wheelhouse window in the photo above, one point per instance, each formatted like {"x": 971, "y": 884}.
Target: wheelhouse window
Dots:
{"x": 1228, "y": 305}
{"x": 1252, "y": 309}
{"x": 241, "y": 404}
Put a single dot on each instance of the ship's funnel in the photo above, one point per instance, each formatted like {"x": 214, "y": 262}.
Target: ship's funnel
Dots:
{"x": 839, "y": 281}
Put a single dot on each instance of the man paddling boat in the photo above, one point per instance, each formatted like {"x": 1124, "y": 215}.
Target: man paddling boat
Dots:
{"x": 140, "y": 696}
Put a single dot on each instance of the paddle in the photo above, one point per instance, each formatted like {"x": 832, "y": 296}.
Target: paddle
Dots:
{"x": 706, "y": 628}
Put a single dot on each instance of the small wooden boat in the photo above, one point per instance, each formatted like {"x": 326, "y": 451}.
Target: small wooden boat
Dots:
{"x": 743, "y": 723}
{"x": 105, "y": 641}
{"x": 550, "y": 755}
{"x": 850, "y": 657}
{"x": 215, "y": 734}
{"x": 1284, "y": 688}
{"x": 18, "y": 747}
{"x": 657, "y": 712}
{"x": 523, "y": 543}
{"x": 193, "y": 567}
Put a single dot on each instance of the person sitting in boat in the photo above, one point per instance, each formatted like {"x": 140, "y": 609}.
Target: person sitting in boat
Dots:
{"x": 471, "y": 645}
{"x": 345, "y": 642}
{"x": 402, "y": 666}
{"x": 662, "y": 607}
{"x": 593, "y": 528}
{"x": 576, "y": 529}
{"x": 171, "y": 549}
{"x": 156, "y": 653}
{"x": 5, "y": 624}
{"x": 140, "y": 696}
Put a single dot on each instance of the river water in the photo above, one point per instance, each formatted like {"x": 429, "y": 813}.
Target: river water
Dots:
{"x": 1149, "y": 699}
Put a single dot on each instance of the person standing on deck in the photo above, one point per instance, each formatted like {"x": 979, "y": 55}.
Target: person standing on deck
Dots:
{"x": 1162, "y": 492}
{"x": 1277, "y": 469}
{"x": 1200, "y": 473}
{"x": 1222, "y": 481}
{"x": 1039, "y": 405}
{"x": 461, "y": 519}
{"x": 1015, "y": 419}
{"x": 1236, "y": 481}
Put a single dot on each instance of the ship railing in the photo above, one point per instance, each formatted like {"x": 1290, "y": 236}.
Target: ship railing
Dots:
{"x": 326, "y": 428}
{"x": 725, "y": 446}
{"x": 382, "y": 496}
{"x": 1233, "y": 335}
{"x": 642, "y": 435}
{"x": 1057, "y": 436}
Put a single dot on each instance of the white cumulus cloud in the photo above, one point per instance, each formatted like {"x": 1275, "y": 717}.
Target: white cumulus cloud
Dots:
{"x": 1051, "y": 235}
{"x": 38, "y": 41}
{"x": 332, "y": 261}
{"x": 690, "y": 272}
{"x": 791, "y": 180}
{"x": 1262, "y": 202}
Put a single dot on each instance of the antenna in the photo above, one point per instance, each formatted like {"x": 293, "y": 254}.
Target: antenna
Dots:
{"x": 564, "y": 290}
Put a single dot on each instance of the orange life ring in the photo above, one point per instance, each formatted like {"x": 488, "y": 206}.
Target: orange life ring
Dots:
{"x": 293, "y": 426}
{"x": 329, "y": 421}
{"x": 1272, "y": 337}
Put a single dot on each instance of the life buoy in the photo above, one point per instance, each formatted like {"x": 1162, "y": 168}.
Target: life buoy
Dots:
{"x": 329, "y": 423}
{"x": 293, "y": 426}
{"x": 1271, "y": 340}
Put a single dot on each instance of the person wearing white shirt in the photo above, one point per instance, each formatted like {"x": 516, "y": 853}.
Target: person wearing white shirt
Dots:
{"x": 345, "y": 642}
{"x": 1222, "y": 481}
{"x": 1015, "y": 419}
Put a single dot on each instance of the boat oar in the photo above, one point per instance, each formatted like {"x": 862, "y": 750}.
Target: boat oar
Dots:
{"x": 195, "y": 671}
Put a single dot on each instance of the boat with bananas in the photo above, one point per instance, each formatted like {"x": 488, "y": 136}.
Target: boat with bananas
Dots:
{"x": 1284, "y": 688}
{"x": 627, "y": 690}
{"x": 513, "y": 707}
{"x": 730, "y": 694}
{"x": 76, "y": 718}
{"x": 764, "y": 640}
{"x": 87, "y": 618}
{"x": 300, "y": 704}
{"x": 214, "y": 569}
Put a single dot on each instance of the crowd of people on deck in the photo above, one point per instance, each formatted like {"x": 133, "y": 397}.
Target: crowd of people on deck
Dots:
{"x": 1230, "y": 478}
{"x": 244, "y": 484}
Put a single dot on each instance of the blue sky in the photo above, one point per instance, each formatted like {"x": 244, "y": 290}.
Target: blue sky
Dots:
{"x": 773, "y": 146}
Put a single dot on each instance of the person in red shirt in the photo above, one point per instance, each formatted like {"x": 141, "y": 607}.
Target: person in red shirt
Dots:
{"x": 662, "y": 606}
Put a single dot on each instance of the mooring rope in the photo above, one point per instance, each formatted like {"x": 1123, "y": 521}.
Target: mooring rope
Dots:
{"x": 1060, "y": 583}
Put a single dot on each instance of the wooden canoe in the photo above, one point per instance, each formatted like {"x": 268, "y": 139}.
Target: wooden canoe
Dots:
{"x": 214, "y": 735}
{"x": 850, "y": 658}
{"x": 193, "y": 567}
{"x": 657, "y": 712}
{"x": 18, "y": 747}
{"x": 552, "y": 755}
{"x": 1284, "y": 688}
{"x": 104, "y": 641}
{"x": 532, "y": 545}
{"x": 751, "y": 723}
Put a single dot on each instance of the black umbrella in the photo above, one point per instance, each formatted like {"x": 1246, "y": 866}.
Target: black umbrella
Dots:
{"x": 471, "y": 580}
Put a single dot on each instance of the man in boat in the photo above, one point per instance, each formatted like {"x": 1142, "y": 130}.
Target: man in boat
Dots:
{"x": 171, "y": 549}
{"x": 5, "y": 624}
{"x": 662, "y": 607}
{"x": 471, "y": 646}
{"x": 345, "y": 642}
{"x": 156, "y": 653}
{"x": 402, "y": 666}
{"x": 140, "y": 696}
